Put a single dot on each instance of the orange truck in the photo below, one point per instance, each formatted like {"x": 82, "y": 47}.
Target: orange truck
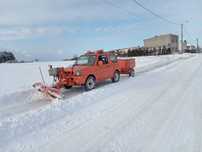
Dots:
{"x": 89, "y": 69}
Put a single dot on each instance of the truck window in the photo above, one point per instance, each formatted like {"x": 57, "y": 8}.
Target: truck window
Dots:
{"x": 103, "y": 58}
{"x": 113, "y": 58}
{"x": 86, "y": 60}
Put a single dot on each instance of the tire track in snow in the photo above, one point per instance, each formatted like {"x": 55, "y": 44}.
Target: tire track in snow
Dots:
{"x": 145, "y": 108}
{"x": 17, "y": 103}
{"x": 120, "y": 124}
{"x": 177, "y": 119}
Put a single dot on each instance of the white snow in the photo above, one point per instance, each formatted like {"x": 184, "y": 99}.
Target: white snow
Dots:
{"x": 158, "y": 110}
{"x": 18, "y": 77}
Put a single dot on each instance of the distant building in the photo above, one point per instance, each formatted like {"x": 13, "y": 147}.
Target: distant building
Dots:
{"x": 167, "y": 41}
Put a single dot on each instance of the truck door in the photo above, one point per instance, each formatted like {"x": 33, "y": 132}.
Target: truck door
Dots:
{"x": 113, "y": 63}
{"x": 104, "y": 69}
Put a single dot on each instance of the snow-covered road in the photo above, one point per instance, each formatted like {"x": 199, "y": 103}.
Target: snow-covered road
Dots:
{"x": 158, "y": 110}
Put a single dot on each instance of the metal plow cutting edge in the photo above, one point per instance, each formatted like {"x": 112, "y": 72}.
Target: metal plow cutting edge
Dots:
{"x": 48, "y": 91}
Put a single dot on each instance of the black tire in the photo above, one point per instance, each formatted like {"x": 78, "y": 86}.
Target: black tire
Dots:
{"x": 90, "y": 83}
{"x": 68, "y": 87}
{"x": 116, "y": 76}
{"x": 132, "y": 73}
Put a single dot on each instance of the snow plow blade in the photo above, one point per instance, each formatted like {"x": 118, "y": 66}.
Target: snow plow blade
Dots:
{"x": 48, "y": 91}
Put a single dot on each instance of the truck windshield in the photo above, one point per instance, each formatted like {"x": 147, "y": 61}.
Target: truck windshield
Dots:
{"x": 86, "y": 60}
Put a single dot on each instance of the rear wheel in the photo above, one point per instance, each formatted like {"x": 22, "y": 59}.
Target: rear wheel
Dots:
{"x": 116, "y": 76}
{"x": 132, "y": 73}
{"x": 90, "y": 83}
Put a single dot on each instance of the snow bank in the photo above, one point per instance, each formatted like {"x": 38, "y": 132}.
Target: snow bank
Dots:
{"x": 20, "y": 76}
{"x": 153, "y": 62}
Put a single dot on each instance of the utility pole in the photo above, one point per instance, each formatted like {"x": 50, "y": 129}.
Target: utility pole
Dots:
{"x": 197, "y": 45}
{"x": 182, "y": 39}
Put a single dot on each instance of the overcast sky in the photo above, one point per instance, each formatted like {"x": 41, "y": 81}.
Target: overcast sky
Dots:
{"x": 56, "y": 29}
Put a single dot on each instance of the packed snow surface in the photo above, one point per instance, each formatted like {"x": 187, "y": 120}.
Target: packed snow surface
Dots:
{"x": 157, "y": 110}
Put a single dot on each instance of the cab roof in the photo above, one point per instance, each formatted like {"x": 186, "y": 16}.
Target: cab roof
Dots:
{"x": 96, "y": 52}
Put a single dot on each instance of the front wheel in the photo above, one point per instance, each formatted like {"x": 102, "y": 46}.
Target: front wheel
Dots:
{"x": 67, "y": 87}
{"x": 90, "y": 83}
{"x": 116, "y": 76}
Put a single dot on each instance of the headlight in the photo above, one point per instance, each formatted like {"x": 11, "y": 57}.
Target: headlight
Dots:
{"x": 78, "y": 73}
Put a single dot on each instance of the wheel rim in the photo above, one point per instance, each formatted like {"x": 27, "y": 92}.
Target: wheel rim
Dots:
{"x": 91, "y": 83}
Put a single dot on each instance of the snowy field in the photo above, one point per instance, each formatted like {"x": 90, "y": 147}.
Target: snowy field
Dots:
{"x": 158, "y": 110}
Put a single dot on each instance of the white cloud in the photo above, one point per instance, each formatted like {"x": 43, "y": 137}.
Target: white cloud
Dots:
{"x": 29, "y": 12}
{"x": 16, "y": 33}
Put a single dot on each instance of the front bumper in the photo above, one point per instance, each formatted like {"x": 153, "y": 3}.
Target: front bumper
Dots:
{"x": 72, "y": 81}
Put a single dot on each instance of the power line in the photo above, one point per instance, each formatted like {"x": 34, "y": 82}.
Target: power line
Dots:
{"x": 120, "y": 8}
{"x": 114, "y": 5}
{"x": 133, "y": 13}
{"x": 153, "y": 13}
{"x": 148, "y": 10}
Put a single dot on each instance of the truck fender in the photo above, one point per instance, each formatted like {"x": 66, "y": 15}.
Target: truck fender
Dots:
{"x": 89, "y": 76}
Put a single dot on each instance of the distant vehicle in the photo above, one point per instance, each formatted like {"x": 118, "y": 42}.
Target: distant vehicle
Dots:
{"x": 89, "y": 69}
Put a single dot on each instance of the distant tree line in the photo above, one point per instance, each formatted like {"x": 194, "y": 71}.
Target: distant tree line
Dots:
{"x": 142, "y": 52}
{"x": 191, "y": 51}
{"x": 6, "y": 56}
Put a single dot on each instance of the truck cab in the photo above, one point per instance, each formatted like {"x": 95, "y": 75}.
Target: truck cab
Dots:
{"x": 90, "y": 68}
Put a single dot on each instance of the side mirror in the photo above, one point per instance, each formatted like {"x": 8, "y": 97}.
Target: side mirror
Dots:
{"x": 100, "y": 63}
